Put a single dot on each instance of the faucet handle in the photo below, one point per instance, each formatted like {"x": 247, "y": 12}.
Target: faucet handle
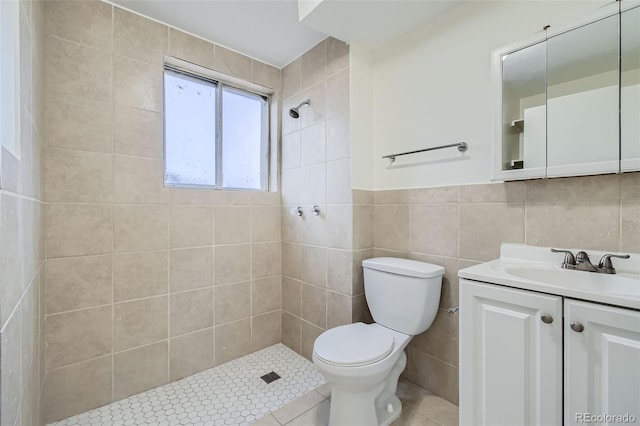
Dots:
{"x": 607, "y": 265}
{"x": 569, "y": 259}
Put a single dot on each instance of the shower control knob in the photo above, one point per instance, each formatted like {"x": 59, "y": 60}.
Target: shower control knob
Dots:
{"x": 389, "y": 408}
{"x": 546, "y": 318}
{"x": 577, "y": 327}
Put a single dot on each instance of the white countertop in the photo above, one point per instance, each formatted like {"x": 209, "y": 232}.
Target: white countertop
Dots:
{"x": 537, "y": 269}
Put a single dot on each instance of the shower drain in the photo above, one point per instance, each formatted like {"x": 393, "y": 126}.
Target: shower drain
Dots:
{"x": 270, "y": 377}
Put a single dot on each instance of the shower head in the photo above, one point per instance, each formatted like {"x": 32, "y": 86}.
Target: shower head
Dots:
{"x": 295, "y": 112}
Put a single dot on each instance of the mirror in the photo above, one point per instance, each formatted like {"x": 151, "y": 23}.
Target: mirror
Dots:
{"x": 524, "y": 110}
{"x": 630, "y": 90}
{"x": 583, "y": 100}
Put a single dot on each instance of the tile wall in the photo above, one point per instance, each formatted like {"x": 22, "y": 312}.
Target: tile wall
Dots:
{"x": 459, "y": 226}
{"x": 145, "y": 284}
{"x": 322, "y": 284}
{"x": 22, "y": 239}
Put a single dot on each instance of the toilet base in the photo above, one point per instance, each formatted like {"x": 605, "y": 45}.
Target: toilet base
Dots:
{"x": 378, "y": 405}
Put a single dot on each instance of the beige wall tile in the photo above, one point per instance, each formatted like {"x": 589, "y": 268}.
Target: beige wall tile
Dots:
{"x": 232, "y": 340}
{"x": 265, "y": 223}
{"x": 434, "y": 229}
{"x": 77, "y": 388}
{"x": 233, "y": 263}
{"x": 190, "y": 48}
{"x": 441, "y": 339}
{"x": 191, "y": 196}
{"x": 391, "y": 227}
{"x": 232, "y": 302}
{"x": 291, "y": 76}
{"x": 266, "y": 295}
{"x": 339, "y": 271}
{"x": 265, "y": 198}
{"x": 585, "y": 188}
{"x": 137, "y": 132}
{"x": 190, "y": 311}
{"x": 265, "y": 75}
{"x": 265, "y": 330}
{"x": 78, "y": 282}
{"x": 309, "y": 335}
{"x": 338, "y": 94}
{"x": 138, "y": 227}
{"x": 449, "y": 293}
{"x": 339, "y": 182}
{"x": 232, "y": 63}
{"x": 190, "y": 269}
{"x": 444, "y": 194}
{"x": 138, "y": 275}
{"x": 292, "y": 225}
{"x": 313, "y": 144}
{"x": 314, "y": 183}
{"x": 291, "y": 295}
{"x": 314, "y": 265}
{"x": 191, "y": 354}
{"x": 630, "y": 232}
{"x": 338, "y": 142}
{"x": 291, "y": 188}
{"x": 630, "y": 186}
{"x": 316, "y": 112}
{"x": 140, "y": 369}
{"x": 139, "y": 180}
{"x": 78, "y": 336}
{"x": 87, "y": 22}
{"x": 78, "y": 229}
{"x": 78, "y": 176}
{"x": 291, "y": 331}
{"x": 314, "y": 229}
{"x": 138, "y": 38}
{"x": 137, "y": 84}
{"x": 564, "y": 224}
{"x": 292, "y": 260}
{"x": 432, "y": 374}
{"x": 357, "y": 271}
{"x": 290, "y": 151}
{"x": 231, "y": 198}
{"x": 484, "y": 227}
{"x": 76, "y": 123}
{"x": 190, "y": 226}
{"x": 139, "y": 322}
{"x": 314, "y": 305}
{"x": 312, "y": 65}
{"x": 339, "y": 226}
{"x": 339, "y": 309}
{"x": 362, "y": 196}
{"x": 265, "y": 260}
{"x": 232, "y": 224}
{"x": 363, "y": 226}
{"x": 77, "y": 70}
{"x": 337, "y": 55}
{"x": 503, "y": 192}
{"x": 10, "y": 367}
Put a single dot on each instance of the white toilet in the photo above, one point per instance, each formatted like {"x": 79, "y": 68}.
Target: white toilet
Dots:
{"x": 362, "y": 362}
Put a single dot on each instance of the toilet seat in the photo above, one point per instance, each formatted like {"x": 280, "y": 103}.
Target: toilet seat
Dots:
{"x": 354, "y": 345}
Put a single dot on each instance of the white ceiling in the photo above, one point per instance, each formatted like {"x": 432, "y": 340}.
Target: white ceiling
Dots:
{"x": 269, "y": 30}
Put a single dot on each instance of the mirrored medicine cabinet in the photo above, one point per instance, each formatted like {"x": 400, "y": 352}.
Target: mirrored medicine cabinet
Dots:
{"x": 568, "y": 101}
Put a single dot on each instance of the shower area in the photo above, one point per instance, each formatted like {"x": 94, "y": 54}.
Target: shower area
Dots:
{"x": 114, "y": 284}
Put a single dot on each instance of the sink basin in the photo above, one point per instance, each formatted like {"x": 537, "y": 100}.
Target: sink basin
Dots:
{"x": 623, "y": 284}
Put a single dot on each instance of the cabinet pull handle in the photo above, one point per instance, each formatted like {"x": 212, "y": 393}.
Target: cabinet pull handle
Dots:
{"x": 546, "y": 318}
{"x": 577, "y": 327}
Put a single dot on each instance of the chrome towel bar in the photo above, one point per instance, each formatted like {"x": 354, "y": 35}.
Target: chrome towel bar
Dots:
{"x": 462, "y": 147}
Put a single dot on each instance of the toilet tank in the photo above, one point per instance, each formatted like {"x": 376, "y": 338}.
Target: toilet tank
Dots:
{"x": 402, "y": 294}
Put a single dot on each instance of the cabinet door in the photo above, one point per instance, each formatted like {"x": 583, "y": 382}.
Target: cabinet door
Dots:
{"x": 602, "y": 362}
{"x": 510, "y": 359}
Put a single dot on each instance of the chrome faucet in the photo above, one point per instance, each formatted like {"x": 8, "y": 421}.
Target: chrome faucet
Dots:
{"x": 581, "y": 262}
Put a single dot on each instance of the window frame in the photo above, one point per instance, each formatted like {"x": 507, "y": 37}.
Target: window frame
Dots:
{"x": 222, "y": 82}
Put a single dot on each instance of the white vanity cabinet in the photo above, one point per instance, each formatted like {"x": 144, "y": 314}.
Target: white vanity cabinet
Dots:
{"x": 512, "y": 346}
{"x": 601, "y": 361}
{"x": 510, "y": 356}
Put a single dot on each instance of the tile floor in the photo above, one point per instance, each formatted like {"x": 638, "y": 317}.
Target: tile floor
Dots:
{"x": 234, "y": 394}
{"x": 419, "y": 408}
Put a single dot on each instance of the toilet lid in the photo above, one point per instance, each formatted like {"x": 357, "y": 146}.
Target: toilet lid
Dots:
{"x": 354, "y": 344}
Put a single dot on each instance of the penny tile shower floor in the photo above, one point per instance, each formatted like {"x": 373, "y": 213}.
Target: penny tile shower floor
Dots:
{"x": 229, "y": 394}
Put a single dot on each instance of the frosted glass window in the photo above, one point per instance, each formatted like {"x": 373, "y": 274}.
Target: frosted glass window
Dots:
{"x": 190, "y": 130}
{"x": 243, "y": 133}
{"x": 216, "y": 136}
